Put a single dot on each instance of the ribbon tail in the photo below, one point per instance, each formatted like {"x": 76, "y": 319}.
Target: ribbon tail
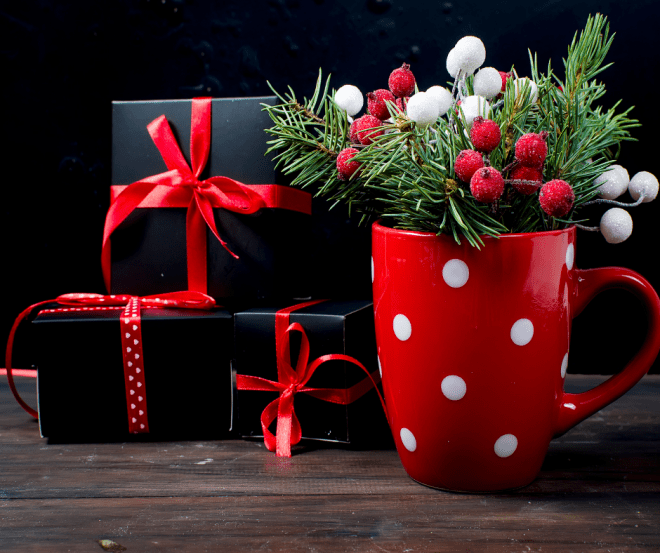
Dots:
{"x": 206, "y": 209}
{"x": 284, "y": 434}
{"x": 8, "y": 355}
{"x": 267, "y": 417}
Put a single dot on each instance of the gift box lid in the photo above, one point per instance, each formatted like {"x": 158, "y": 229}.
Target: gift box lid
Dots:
{"x": 238, "y": 140}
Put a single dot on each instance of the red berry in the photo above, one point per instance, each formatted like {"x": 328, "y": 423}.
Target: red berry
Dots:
{"x": 485, "y": 135}
{"x": 377, "y": 105}
{"x": 402, "y": 103}
{"x": 345, "y": 166}
{"x": 531, "y": 149}
{"x": 505, "y": 77}
{"x": 556, "y": 198}
{"x": 402, "y": 81}
{"x": 359, "y": 130}
{"x": 487, "y": 185}
{"x": 467, "y": 163}
{"x": 527, "y": 173}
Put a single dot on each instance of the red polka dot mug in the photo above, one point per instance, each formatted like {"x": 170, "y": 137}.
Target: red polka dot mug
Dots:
{"x": 473, "y": 346}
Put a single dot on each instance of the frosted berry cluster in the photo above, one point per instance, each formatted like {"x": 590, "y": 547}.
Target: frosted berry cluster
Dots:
{"x": 474, "y": 105}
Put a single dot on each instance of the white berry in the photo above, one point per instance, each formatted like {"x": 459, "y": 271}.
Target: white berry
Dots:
{"x": 470, "y": 53}
{"x": 487, "y": 82}
{"x": 525, "y": 83}
{"x": 613, "y": 182}
{"x": 453, "y": 63}
{"x": 422, "y": 109}
{"x": 442, "y": 97}
{"x": 349, "y": 98}
{"x": 643, "y": 183}
{"x": 616, "y": 225}
{"x": 473, "y": 106}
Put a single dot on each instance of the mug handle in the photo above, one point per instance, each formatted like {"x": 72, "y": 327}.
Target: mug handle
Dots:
{"x": 574, "y": 408}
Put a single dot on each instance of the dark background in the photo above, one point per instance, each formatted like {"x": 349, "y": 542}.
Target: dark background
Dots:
{"x": 64, "y": 62}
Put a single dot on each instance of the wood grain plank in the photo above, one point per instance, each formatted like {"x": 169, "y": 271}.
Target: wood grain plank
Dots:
{"x": 599, "y": 490}
{"x": 557, "y": 523}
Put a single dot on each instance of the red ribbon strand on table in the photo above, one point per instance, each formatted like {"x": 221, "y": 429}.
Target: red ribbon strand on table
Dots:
{"x": 181, "y": 186}
{"x": 131, "y": 339}
{"x": 292, "y": 381}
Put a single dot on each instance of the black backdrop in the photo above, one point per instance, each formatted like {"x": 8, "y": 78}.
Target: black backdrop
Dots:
{"x": 64, "y": 62}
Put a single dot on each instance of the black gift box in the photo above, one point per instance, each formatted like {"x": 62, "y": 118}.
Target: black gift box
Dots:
{"x": 149, "y": 247}
{"x": 80, "y": 374}
{"x": 345, "y": 327}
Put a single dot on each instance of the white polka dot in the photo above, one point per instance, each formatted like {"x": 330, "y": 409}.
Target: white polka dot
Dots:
{"x": 570, "y": 256}
{"x": 380, "y": 367}
{"x": 408, "y": 440}
{"x": 456, "y": 273}
{"x": 132, "y": 392}
{"x": 134, "y": 327}
{"x": 140, "y": 398}
{"x": 372, "y": 269}
{"x": 564, "y": 365}
{"x": 134, "y": 419}
{"x": 139, "y": 384}
{"x": 506, "y": 445}
{"x": 522, "y": 332}
{"x": 453, "y": 387}
{"x": 402, "y": 327}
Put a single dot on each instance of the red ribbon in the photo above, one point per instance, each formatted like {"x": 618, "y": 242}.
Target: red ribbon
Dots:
{"x": 292, "y": 381}
{"x": 131, "y": 335}
{"x": 180, "y": 186}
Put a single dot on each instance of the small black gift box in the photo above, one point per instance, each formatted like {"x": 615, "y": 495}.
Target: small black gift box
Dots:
{"x": 82, "y": 378}
{"x": 265, "y": 226}
{"x": 331, "y": 327}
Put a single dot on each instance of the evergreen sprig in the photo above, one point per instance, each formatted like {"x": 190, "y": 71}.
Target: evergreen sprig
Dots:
{"x": 407, "y": 174}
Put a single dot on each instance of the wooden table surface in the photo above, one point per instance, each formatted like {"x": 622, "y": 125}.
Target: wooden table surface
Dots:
{"x": 599, "y": 490}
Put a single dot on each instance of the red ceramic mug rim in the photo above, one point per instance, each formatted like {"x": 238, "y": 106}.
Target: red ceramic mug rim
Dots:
{"x": 432, "y": 235}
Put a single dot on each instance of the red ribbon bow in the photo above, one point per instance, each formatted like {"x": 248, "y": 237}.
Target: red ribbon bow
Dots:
{"x": 131, "y": 332}
{"x": 185, "y": 187}
{"x": 292, "y": 381}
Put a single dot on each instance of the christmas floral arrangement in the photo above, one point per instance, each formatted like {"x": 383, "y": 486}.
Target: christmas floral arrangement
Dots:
{"x": 493, "y": 153}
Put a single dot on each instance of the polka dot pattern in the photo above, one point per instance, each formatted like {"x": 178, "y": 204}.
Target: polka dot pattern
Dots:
{"x": 455, "y": 273}
{"x": 570, "y": 256}
{"x": 402, "y": 327}
{"x": 506, "y": 445}
{"x": 131, "y": 336}
{"x": 522, "y": 332}
{"x": 408, "y": 440}
{"x": 453, "y": 387}
{"x": 564, "y": 365}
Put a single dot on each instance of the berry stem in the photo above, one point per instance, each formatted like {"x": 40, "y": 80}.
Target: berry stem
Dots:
{"x": 524, "y": 182}
{"x": 591, "y": 229}
{"x": 614, "y": 202}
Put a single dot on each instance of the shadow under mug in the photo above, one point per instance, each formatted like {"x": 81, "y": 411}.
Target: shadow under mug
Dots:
{"x": 473, "y": 346}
